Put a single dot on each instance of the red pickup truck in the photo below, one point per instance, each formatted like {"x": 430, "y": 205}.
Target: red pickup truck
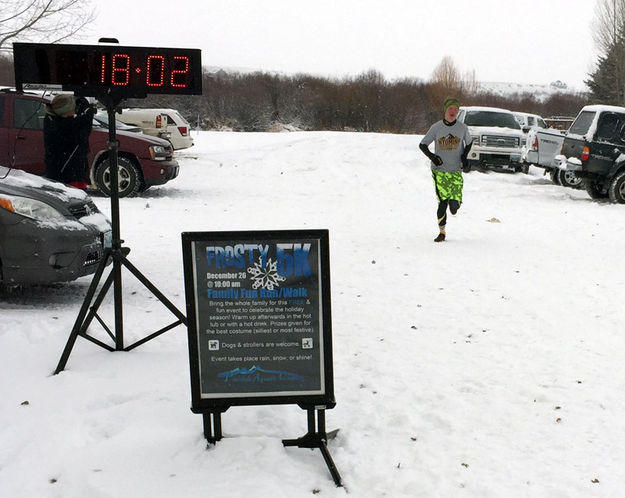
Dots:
{"x": 143, "y": 160}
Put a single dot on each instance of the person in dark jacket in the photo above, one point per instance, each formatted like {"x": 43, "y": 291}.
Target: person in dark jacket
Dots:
{"x": 66, "y": 129}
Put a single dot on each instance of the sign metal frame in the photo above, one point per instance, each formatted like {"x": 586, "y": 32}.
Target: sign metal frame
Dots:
{"x": 195, "y": 246}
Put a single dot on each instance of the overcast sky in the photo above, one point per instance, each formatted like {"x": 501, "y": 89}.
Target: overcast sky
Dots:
{"x": 527, "y": 41}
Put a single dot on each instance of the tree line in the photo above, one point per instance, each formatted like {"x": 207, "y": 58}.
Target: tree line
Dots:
{"x": 262, "y": 101}
{"x": 367, "y": 102}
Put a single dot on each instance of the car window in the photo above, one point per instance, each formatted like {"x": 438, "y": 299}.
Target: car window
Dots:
{"x": 582, "y": 123}
{"x": 28, "y": 114}
{"x": 531, "y": 120}
{"x": 541, "y": 123}
{"x": 608, "y": 126}
{"x": 491, "y": 118}
{"x": 170, "y": 120}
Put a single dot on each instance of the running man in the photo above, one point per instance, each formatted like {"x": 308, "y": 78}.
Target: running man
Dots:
{"x": 452, "y": 143}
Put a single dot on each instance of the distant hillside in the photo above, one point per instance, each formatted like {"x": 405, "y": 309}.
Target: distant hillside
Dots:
{"x": 542, "y": 92}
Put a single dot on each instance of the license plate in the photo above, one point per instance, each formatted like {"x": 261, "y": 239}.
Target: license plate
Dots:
{"x": 107, "y": 239}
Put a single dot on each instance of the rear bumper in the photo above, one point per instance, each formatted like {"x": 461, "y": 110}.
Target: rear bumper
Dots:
{"x": 181, "y": 142}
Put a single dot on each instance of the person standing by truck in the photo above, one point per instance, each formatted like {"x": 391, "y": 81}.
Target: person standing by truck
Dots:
{"x": 452, "y": 142}
{"x": 66, "y": 129}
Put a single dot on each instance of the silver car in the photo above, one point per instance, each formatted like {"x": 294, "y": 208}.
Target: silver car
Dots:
{"x": 49, "y": 232}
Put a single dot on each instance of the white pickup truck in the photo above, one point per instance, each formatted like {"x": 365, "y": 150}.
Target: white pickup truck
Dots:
{"x": 497, "y": 138}
{"x": 543, "y": 149}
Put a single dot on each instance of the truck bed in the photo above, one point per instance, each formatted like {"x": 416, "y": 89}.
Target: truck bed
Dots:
{"x": 542, "y": 148}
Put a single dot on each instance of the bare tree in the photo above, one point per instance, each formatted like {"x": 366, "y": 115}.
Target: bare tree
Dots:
{"x": 470, "y": 84}
{"x": 445, "y": 82}
{"x": 446, "y": 75}
{"x": 607, "y": 23}
{"x": 609, "y": 37}
{"x": 48, "y": 21}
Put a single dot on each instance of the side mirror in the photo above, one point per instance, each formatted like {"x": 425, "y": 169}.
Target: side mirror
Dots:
{"x": 526, "y": 129}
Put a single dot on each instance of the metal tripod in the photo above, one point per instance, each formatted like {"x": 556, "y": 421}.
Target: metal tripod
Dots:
{"x": 117, "y": 255}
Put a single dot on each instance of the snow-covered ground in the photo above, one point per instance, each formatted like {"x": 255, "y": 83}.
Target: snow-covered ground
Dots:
{"x": 490, "y": 365}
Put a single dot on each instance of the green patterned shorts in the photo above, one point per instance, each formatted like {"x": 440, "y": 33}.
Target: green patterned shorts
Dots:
{"x": 448, "y": 186}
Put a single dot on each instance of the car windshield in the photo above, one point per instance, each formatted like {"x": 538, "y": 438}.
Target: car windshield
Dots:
{"x": 582, "y": 123}
{"x": 102, "y": 120}
{"x": 491, "y": 118}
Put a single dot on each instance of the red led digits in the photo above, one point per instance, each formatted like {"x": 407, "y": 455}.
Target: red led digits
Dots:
{"x": 179, "y": 76}
{"x": 152, "y": 72}
{"x": 120, "y": 70}
{"x": 103, "y": 69}
{"x": 155, "y": 70}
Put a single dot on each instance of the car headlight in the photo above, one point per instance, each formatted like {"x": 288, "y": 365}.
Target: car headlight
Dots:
{"x": 159, "y": 152}
{"x": 30, "y": 208}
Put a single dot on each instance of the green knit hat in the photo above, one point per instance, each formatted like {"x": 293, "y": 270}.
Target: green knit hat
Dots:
{"x": 449, "y": 102}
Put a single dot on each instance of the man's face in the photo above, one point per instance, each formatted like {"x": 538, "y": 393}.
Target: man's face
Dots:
{"x": 451, "y": 113}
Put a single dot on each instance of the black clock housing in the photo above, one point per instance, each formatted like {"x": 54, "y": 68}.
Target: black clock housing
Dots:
{"x": 96, "y": 70}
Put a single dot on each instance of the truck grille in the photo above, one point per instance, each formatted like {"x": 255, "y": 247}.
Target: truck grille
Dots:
{"x": 83, "y": 209}
{"x": 500, "y": 141}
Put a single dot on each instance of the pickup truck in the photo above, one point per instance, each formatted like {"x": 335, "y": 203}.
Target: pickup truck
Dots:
{"x": 497, "y": 138}
{"x": 529, "y": 121}
{"x": 544, "y": 149}
{"x": 595, "y": 151}
{"x": 143, "y": 161}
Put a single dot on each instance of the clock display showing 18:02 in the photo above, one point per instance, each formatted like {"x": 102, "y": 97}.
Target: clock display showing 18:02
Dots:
{"x": 153, "y": 71}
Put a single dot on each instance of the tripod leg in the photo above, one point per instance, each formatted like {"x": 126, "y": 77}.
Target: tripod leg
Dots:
{"x": 152, "y": 288}
{"x": 83, "y": 312}
{"x": 117, "y": 296}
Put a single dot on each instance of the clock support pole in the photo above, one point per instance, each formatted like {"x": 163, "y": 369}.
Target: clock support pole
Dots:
{"x": 117, "y": 256}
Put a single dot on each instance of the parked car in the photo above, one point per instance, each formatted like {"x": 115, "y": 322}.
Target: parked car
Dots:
{"x": 49, "y": 232}
{"x": 595, "y": 150}
{"x": 497, "y": 138}
{"x": 101, "y": 119}
{"x": 164, "y": 123}
{"x": 529, "y": 121}
{"x": 143, "y": 161}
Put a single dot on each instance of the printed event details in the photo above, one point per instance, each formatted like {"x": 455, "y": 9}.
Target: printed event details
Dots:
{"x": 259, "y": 317}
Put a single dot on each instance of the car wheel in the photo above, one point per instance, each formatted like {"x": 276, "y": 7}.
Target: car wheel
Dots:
{"x": 595, "y": 190}
{"x": 129, "y": 178}
{"x": 569, "y": 179}
{"x": 553, "y": 174}
{"x": 616, "y": 190}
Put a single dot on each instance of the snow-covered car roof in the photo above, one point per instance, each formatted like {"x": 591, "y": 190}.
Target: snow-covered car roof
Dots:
{"x": 521, "y": 113}
{"x": 603, "y": 107}
{"x": 482, "y": 108}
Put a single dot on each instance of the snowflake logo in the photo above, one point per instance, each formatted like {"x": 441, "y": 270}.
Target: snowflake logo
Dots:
{"x": 266, "y": 277}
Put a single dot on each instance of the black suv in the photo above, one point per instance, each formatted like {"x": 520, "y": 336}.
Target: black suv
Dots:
{"x": 595, "y": 151}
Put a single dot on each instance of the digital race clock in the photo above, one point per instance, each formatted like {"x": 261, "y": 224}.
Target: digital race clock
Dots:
{"x": 94, "y": 70}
